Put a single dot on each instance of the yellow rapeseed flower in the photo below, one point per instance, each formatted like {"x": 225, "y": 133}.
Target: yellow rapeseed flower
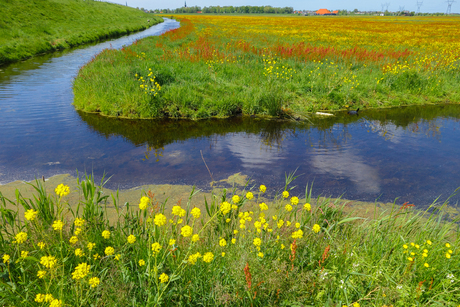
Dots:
{"x": 56, "y": 303}
{"x": 94, "y": 282}
{"x": 223, "y": 254}
{"x": 109, "y": 250}
{"x": 426, "y": 265}
{"x": 141, "y": 262}
{"x": 208, "y": 257}
{"x": 48, "y": 261}
{"x": 262, "y": 188}
{"x": 257, "y": 242}
{"x": 282, "y": 246}
{"x": 410, "y": 259}
{"x": 285, "y": 194}
{"x": 355, "y": 304}
{"x": 39, "y": 298}
{"x": 48, "y": 298}
{"x": 297, "y": 225}
{"x": 235, "y": 199}
{"x": 159, "y": 219}
{"x": 62, "y": 190}
{"x": 155, "y": 248}
{"x": 77, "y": 231}
{"x": 172, "y": 242}
{"x": 178, "y": 211}
{"x": 233, "y": 241}
{"x": 288, "y": 208}
{"x": 41, "y": 245}
{"x": 316, "y": 228}
{"x": 196, "y": 212}
{"x": 225, "y": 207}
{"x": 222, "y": 242}
{"x": 163, "y": 278}
{"x": 79, "y": 252}
{"x": 447, "y": 255}
{"x": 192, "y": 259}
{"x": 79, "y": 222}
{"x": 428, "y": 242}
{"x": 297, "y": 234}
{"x": 144, "y": 203}
{"x": 6, "y": 258}
{"x": 21, "y": 237}
{"x": 73, "y": 240}
{"x": 41, "y": 274}
{"x": 186, "y": 231}
{"x": 117, "y": 257}
{"x": 249, "y": 195}
{"x": 57, "y": 225}
{"x": 30, "y": 214}
{"x": 263, "y": 207}
{"x": 195, "y": 238}
{"x": 260, "y": 254}
{"x": 447, "y": 245}
{"x": 294, "y": 200}
{"x": 24, "y": 254}
{"x": 405, "y": 246}
{"x": 81, "y": 271}
{"x": 307, "y": 207}
{"x": 131, "y": 239}
{"x": 106, "y": 234}
{"x": 90, "y": 245}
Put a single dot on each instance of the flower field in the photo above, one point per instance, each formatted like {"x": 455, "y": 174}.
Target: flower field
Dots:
{"x": 235, "y": 249}
{"x": 277, "y": 66}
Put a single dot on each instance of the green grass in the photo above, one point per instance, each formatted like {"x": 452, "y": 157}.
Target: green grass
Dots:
{"x": 245, "y": 255}
{"x": 235, "y": 81}
{"x": 28, "y": 28}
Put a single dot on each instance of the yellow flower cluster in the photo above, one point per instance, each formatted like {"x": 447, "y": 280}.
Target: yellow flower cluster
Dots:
{"x": 178, "y": 211}
{"x": 159, "y": 220}
{"x": 225, "y": 207}
{"x": 94, "y": 282}
{"x": 208, "y": 257}
{"x": 192, "y": 259}
{"x": 20, "y": 237}
{"x": 62, "y": 190}
{"x": 81, "y": 271}
{"x": 48, "y": 261}
{"x": 196, "y": 212}
{"x": 106, "y": 234}
{"x": 144, "y": 203}
{"x": 131, "y": 239}
{"x": 30, "y": 214}
{"x": 186, "y": 231}
{"x": 57, "y": 225}
{"x": 155, "y": 248}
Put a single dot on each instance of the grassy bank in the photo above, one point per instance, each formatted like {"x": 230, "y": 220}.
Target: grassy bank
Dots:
{"x": 277, "y": 66}
{"x": 233, "y": 249}
{"x": 28, "y": 28}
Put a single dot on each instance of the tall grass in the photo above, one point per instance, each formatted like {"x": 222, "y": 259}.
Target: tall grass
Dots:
{"x": 236, "y": 249}
{"x": 28, "y": 28}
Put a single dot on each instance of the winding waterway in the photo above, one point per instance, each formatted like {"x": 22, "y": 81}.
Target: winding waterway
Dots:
{"x": 411, "y": 153}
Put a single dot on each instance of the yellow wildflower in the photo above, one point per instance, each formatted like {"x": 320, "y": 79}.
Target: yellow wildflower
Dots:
{"x": 192, "y": 259}
{"x": 90, "y": 245}
{"x": 109, "y": 250}
{"x": 285, "y": 194}
{"x": 62, "y": 190}
{"x": 257, "y": 242}
{"x": 41, "y": 274}
{"x": 355, "y": 304}
{"x": 144, "y": 203}
{"x": 223, "y": 254}
{"x": 48, "y": 261}
{"x": 288, "y": 208}
{"x": 263, "y": 207}
{"x": 77, "y": 231}
{"x": 233, "y": 241}
{"x": 225, "y": 207}
{"x": 79, "y": 222}
{"x": 21, "y": 237}
{"x": 81, "y": 271}
{"x": 235, "y": 199}
{"x": 297, "y": 234}
{"x": 56, "y": 303}
{"x": 208, "y": 257}
{"x": 155, "y": 248}
{"x": 163, "y": 278}
{"x": 405, "y": 246}
{"x": 186, "y": 231}
{"x": 316, "y": 228}
{"x": 262, "y": 188}
{"x": 410, "y": 259}
{"x": 447, "y": 255}
{"x": 195, "y": 238}
{"x": 41, "y": 245}
{"x": 426, "y": 265}
{"x": 172, "y": 242}
{"x": 307, "y": 207}
{"x": 117, "y": 257}
{"x": 282, "y": 246}
{"x": 428, "y": 242}
{"x": 79, "y": 252}
{"x": 249, "y": 195}
{"x": 141, "y": 262}
{"x": 131, "y": 239}
{"x": 40, "y": 298}
{"x": 94, "y": 282}
{"x": 222, "y": 242}
{"x": 297, "y": 225}
{"x": 178, "y": 211}
{"x": 294, "y": 200}
{"x": 73, "y": 240}
{"x": 30, "y": 214}
{"x": 24, "y": 254}
{"x": 159, "y": 219}
{"x": 447, "y": 245}
{"x": 57, "y": 225}
{"x": 260, "y": 254}
{"x": 196, "y": 212}
{"x": 106, "y": 234}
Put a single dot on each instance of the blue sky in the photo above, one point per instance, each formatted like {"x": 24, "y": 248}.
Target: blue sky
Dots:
{"x": 373, "y": 5}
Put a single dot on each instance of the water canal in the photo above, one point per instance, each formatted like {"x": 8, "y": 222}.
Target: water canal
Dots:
{"x": 411, "y": 152}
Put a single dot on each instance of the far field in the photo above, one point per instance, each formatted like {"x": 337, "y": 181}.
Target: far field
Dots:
{"x": 28, "y": 28}
{"x": 278, "y": 66}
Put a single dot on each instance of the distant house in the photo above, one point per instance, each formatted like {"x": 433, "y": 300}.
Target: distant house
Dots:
{"x": 336, "y": 12}
{"x": 323, "y": 12}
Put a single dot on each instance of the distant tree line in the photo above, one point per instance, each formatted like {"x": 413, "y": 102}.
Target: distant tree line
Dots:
{"x": 231, "y": 9}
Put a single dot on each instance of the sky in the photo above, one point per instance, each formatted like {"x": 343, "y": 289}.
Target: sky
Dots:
{"x": 431, "y": 6}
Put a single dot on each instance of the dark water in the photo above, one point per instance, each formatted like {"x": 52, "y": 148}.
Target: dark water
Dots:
{"x": 411, "y": 153}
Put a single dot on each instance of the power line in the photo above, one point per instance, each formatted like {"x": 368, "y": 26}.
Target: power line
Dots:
{"x": 449, "y": 6}
{"x": 419, "y": 5}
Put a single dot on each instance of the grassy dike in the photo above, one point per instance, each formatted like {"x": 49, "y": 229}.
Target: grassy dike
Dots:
{"x": 70, "y": 242}
{"x": 198, "y": 72}
{"x": 28, "y": 28}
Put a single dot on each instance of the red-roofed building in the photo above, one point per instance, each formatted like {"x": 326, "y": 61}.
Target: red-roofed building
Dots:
{"x": 335, "y": 12}
{"x": 323, "y": 11}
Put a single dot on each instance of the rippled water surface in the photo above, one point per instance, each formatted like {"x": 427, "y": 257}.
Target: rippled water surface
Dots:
{"x": 411, "y": 153}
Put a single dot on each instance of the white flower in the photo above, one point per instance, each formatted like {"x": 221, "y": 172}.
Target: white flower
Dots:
{"x": 450, "y": 276}
{"x": 399, "y": 287}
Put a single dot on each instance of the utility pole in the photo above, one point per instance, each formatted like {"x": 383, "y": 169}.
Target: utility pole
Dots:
{"x": 419, "y": 5}
{"x": 387, "y": 5}
{"x": 449, "y": 6}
